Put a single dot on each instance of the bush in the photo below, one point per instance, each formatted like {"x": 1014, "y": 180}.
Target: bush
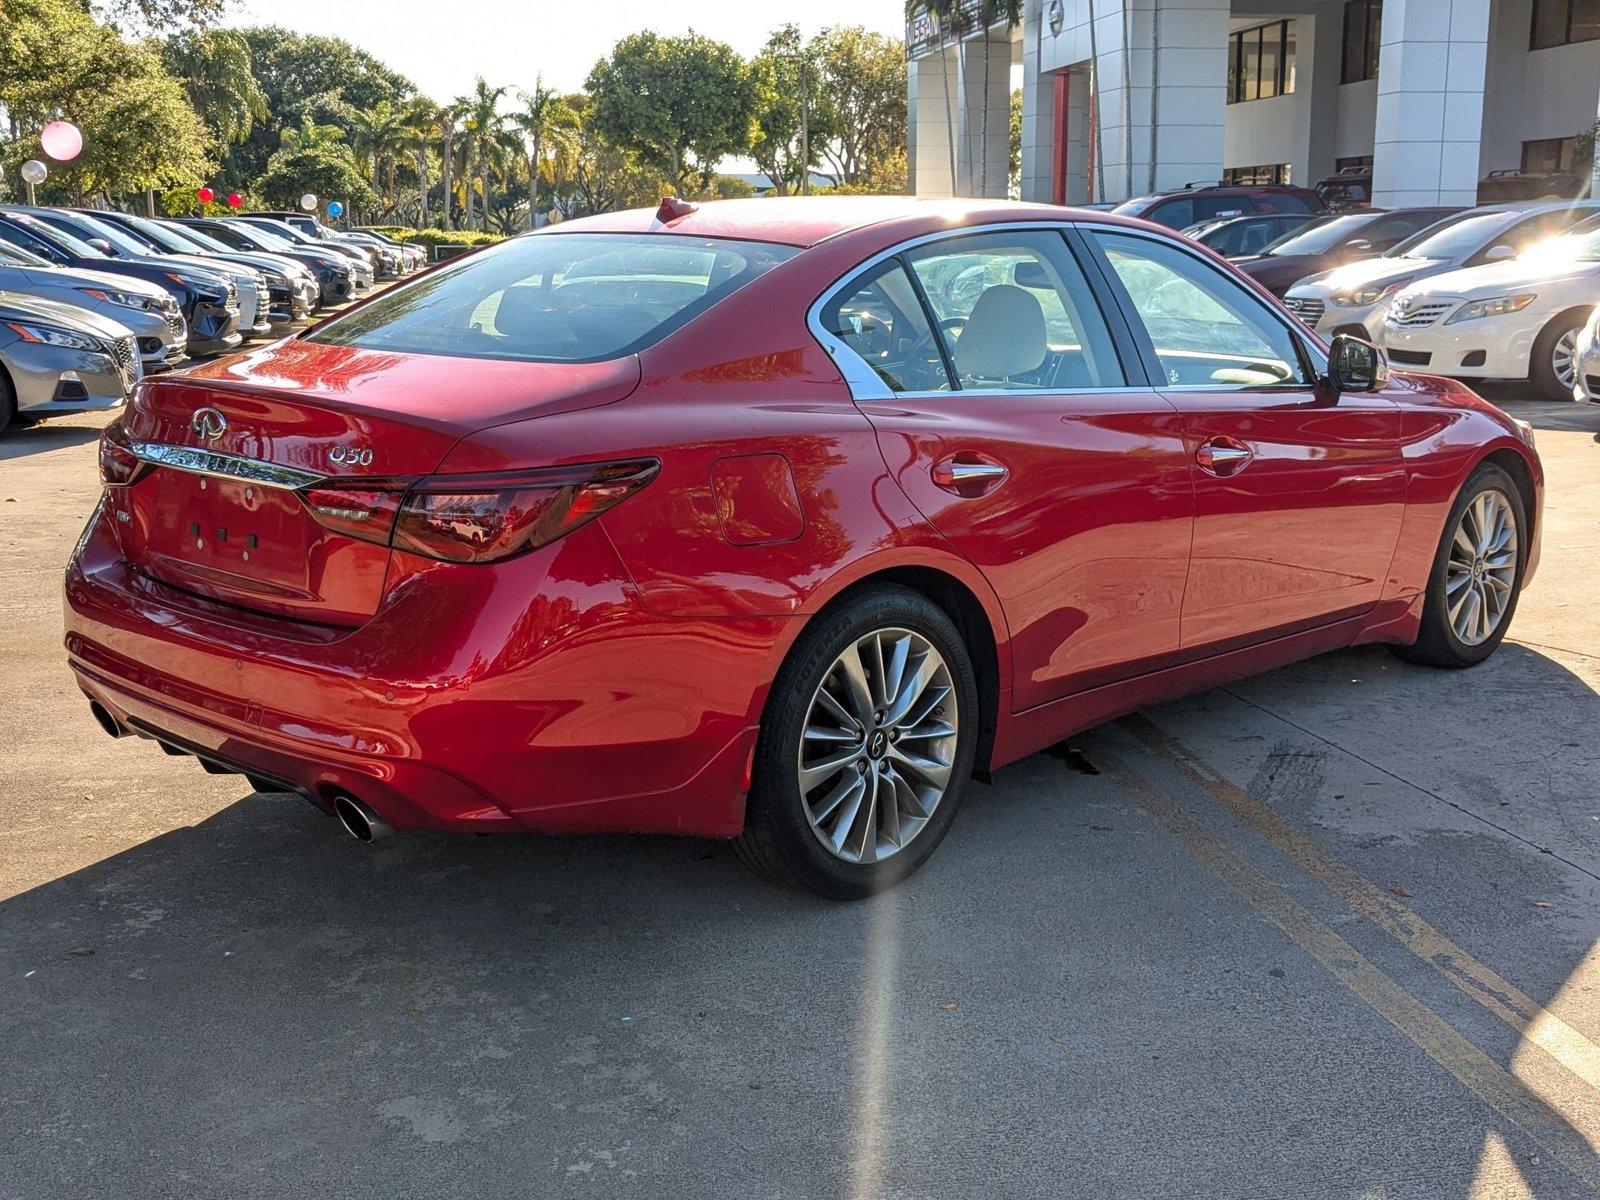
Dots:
{"x": 439, "y": 237}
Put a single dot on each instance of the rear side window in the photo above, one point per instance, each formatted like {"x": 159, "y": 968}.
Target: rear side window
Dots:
{"x": 565, "y": 297}
{"x": 1290, "y": 202}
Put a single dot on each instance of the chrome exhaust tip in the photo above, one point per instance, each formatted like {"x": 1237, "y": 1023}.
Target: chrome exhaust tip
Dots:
{"x": 104, "y": 719}
{"x": 359, "y": 821}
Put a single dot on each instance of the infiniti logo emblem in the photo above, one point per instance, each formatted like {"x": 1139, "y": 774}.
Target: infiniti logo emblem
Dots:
{"x": 350, "y": 456}
{"x": 208, "y": 424}
{"x": 878, "y": 744}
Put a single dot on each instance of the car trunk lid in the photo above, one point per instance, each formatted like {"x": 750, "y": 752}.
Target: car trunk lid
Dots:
{"x": 234, "y": 449}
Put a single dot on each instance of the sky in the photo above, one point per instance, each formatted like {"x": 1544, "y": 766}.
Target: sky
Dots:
{"x": 442, "y": 47}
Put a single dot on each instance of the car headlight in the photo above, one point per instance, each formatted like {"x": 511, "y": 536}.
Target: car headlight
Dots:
{"x": 125, "y": 299}
{"x": 1495, "y": 306}
{"x": 1361, "y": 297}
{"x": 54, "y": 335}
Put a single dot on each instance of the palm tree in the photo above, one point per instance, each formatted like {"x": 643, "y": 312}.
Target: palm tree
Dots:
{"x": 950, "y": 18}
{"x": 449, "y": 126}
{"x": 422, "y": 121}
{"x": 309, "y": 135}
{"x": 218, "y": 75}
{"x": 547, "y": 122}
{"x": 484, "y": 123}
{"x": 378, "y": 136}
{"x": 990, "y": 13}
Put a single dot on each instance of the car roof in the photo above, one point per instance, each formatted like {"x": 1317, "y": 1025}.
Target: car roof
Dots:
{"x": 807, "y": 220}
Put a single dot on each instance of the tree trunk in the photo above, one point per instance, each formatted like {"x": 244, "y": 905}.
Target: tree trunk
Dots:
{"x": 949, "y": 114}
{"x": 422, "y": 185}
{"x": 533, "y": 186}
{"x": 983, "y": 160}
{"x": 445, "y": 164}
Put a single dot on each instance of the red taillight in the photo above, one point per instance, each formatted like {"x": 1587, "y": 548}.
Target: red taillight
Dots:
{"x": 119, "y": 466}
{"x": 478, "y": 518}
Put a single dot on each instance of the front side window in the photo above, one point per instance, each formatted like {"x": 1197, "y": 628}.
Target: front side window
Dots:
{"x": 564, "y": 297}
{"x": 1015, "y": 313}
{"x": 1206, "y": 329}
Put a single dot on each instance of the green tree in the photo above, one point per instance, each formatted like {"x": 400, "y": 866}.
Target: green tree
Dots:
{"x": 379, "y": 137}
{"x": 679, "y": 104}
{"x": 1014, "y": 150}
{"x": 859, "y": 117}
{"x": 325, "y": 168}
{"x": 424, "y": 125}
{"x": 139, "y": 130}
{"x": 218, "y": 75}
{"x": 482, "y": 124}
{"x": 548, "y": 123}
{"x": 784, "y": 142}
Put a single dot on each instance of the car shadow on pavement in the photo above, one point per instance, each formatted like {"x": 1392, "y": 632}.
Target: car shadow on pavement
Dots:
{"x": 23, "y": 440}
{"x": 262, "y": 1006}
{"x": 1519, "y": 400}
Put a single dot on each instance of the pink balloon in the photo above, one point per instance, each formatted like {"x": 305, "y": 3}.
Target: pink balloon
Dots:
{"x": 61, "y": 140}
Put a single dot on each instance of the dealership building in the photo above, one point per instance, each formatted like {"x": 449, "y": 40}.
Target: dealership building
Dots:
{"x": 1125, "y": 97}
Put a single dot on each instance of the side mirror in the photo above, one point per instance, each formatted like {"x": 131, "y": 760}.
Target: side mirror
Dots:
{"x": 1499, "y": 254}
{"x": 1355, "y": 365}
{"x": 103, "y": 246}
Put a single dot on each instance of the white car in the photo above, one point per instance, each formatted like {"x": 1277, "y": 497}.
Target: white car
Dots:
{"x": 1354, "y": 298}
{"x": 1586, "y": 369}
{"x": 1510, "y": 320}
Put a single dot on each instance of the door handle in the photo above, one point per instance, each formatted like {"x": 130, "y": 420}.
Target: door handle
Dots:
{"x": 968, "y": 474}
{"x": 1223, "y": 456}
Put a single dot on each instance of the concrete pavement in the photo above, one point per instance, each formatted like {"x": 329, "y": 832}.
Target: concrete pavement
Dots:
{"x": 1324, "y": 933}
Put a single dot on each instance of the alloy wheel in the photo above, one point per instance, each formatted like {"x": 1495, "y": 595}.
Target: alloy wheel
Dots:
{"x": 1564, "y": 359}
{"x": 878, "y": 745}
{"x": 1481, "y": 574}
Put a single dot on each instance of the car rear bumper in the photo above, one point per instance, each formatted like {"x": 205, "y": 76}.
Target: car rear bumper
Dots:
{"x": 459, "y": 706}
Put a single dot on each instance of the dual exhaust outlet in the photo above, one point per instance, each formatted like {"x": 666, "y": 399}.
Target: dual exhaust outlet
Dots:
{"x": 356, "y": 817}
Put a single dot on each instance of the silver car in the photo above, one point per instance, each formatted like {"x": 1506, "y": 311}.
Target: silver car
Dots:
{"x": 56, "y": 358}
{"x": 150, "y": 312}
{"x": 1586, "y": 361}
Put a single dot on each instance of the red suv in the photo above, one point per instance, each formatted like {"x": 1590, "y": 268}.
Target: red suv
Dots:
{"x": 1204, "y": 202}
{"x": 773, "y": 520}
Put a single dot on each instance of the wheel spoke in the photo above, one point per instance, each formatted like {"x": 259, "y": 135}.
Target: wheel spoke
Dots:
{"x": 812, "y": 774}
{"x": 841, "y": 714}
{"x": 856, "y": 685}
{"x": 931, "y": 769}
{"x": 830, "y": 803}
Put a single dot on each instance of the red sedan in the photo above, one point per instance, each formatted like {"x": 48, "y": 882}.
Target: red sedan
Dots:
{"x": 774, "y": 520}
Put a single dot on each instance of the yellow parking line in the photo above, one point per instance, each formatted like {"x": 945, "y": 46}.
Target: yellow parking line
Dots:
{"x": 1434, "y": 1036}
{"x": 1526, "y": 1015}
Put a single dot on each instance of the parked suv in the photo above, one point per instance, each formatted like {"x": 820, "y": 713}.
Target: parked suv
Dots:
{"x": 1204, "y": 201}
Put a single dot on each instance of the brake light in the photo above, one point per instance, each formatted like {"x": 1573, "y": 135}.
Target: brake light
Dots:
{"x": 119, "y": 465}
{"x": 478, "y": 518}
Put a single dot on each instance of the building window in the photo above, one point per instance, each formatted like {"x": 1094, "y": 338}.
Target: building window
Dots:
{"x": 1363, "y": 31}
{"x": 1261, "y": 62}
{"x": 1355, "y": 162}
{"x": 1258, "y": 176}
{"x": 1562, "y": 22}
{"x": 1549, "y": 156}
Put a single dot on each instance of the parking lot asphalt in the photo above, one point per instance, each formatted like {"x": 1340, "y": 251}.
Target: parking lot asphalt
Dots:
{"x": 1330, "y": 932}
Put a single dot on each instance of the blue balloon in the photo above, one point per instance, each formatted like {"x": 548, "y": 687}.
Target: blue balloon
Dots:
{"x": 335, "y": 209}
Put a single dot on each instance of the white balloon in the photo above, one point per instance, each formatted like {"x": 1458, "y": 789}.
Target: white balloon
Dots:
{"x": 308, "y": 202}
{"x": 34, "y": 171}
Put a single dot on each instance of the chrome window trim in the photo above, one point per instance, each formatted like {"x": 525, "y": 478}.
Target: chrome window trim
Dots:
{"x": 227, "y": 466}
{"x": 866, "y": 384}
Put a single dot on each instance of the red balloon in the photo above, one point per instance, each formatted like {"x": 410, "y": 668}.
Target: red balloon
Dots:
{"x": 205, "y": 195}
{"x": 235, "y": 200}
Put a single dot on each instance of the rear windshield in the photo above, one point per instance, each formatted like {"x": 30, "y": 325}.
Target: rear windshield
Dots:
{"x": 1322, "y": 238}
{"x": 561, "y": 297}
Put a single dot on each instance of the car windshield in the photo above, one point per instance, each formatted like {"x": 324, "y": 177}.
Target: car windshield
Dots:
{"x": 1404, "y": 248}
{"x": 1322, "y": 238}
{"x": 565, "y": 297}
{"x": 266, "y": 240}
{"x": 89, "y": 227}
{"x": 57, "y": 237}
{"x": 277, "y": 229}
{"x": 1465, "y": 236}
{"x": 159, "y": 236}
{"x": 197, "y": 237}
{"x": 16, "y": 256}
{"x": 1135, "y": 206}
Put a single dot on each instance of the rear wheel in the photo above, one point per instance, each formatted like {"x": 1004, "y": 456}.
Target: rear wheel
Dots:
{"x": 1476, "y": 576}
{"x": 1554, "y": 364}
{"x": 866, "y": 747}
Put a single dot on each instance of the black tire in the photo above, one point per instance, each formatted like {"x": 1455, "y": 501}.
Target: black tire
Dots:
{"x": 1541, "y": 365}
{"x": 1437, "y": 644}
{"x": 778, "y": 841}
{"x": 8, "y": 402}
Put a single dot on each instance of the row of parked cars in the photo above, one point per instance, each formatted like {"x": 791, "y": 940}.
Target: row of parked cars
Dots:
{"x": 1501, "y": 291}
{"x": 91, "y": 300}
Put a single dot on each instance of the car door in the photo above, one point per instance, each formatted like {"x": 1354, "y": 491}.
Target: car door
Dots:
{"x": 1299, "y": 491}
{"x": 1004, "y": 410}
